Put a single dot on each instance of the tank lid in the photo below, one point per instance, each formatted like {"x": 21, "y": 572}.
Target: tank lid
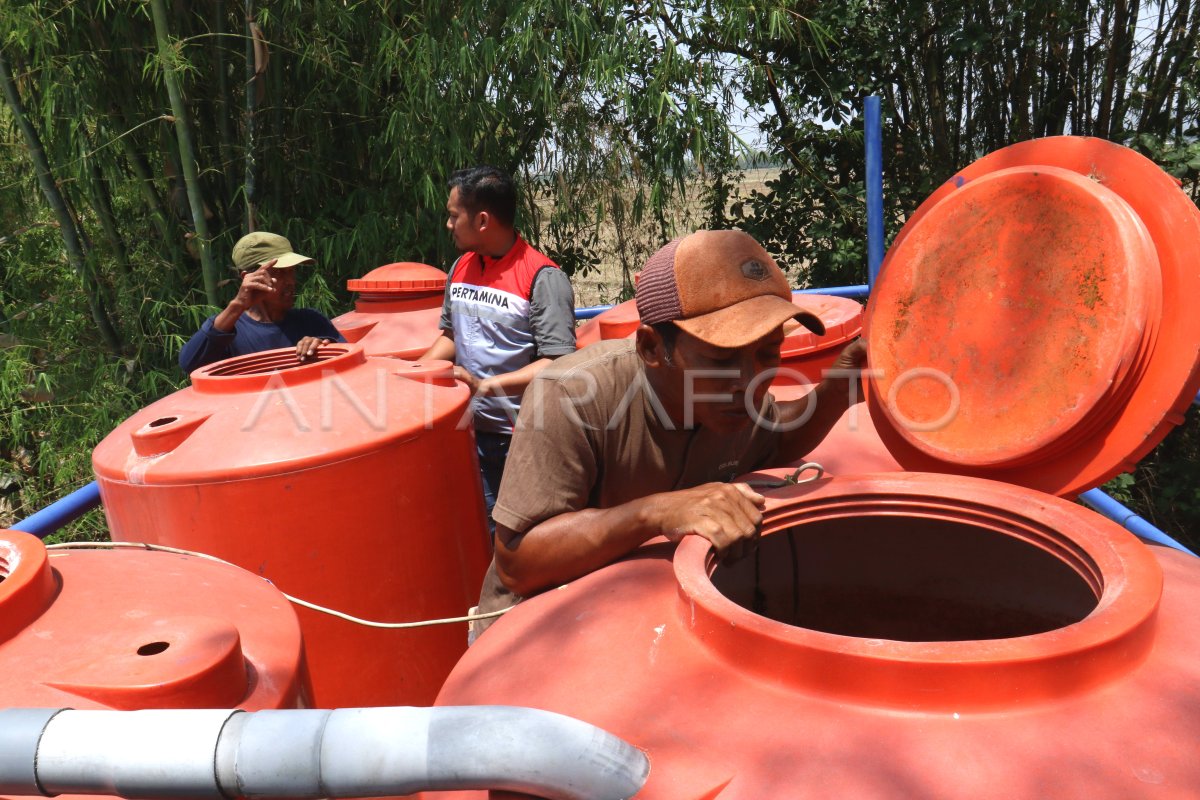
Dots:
{"x": 842, "y": 318}
{"x": 1027, "y": 324}
{"x": 402, "y": 277}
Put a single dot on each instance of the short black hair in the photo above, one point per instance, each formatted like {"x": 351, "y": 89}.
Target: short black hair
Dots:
{"x": 489, "y": 189}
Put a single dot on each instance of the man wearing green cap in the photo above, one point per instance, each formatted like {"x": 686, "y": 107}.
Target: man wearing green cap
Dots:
{"x": 260, "y": 317}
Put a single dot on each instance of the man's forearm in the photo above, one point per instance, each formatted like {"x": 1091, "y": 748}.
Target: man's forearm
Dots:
{"x": 573, "y": 544}
{"x": 441, "y": 350}
{"x": 513, "y": 384}
{"x": 226, "y": 321}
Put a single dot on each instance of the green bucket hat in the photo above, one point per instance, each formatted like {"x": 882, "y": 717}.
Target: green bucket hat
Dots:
{"x": 255, "y": 249}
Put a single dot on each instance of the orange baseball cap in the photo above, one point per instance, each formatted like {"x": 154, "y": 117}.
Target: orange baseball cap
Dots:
{"x": 721, "y": 287}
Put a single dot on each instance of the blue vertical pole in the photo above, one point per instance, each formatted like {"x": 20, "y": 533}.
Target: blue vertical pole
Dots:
{"x": 874, "y": 142}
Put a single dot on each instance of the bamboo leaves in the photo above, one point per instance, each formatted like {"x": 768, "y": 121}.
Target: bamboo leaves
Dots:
{"x": 170, "y": 62}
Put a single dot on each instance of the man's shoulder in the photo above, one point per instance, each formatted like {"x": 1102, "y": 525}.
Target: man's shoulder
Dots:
{"x": 532, "y": 258}
{"x": 459, "y": 267}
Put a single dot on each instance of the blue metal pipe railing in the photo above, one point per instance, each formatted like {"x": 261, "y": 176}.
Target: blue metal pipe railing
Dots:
{"x": 1114, "y": 510}
{"x": 590, "y": 312}
{"x": 873, "y": 136}
{"x": 856, "y": 292}
{"x": 61, "y": 512}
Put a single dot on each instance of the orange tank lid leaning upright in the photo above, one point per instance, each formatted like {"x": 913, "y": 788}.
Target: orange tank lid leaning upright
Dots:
{"x": 350, "y": 482}
{"x": 922, "y": 634}
{"x": 129, "y": 629}
{"x": 1028, "y": 323}
{"x": 397, "y": 310}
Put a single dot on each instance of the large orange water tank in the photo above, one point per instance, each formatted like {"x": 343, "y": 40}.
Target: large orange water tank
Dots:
{"x": 895, "y": 636}
{"x": 397, "y": 310}
{"x": 349, "y": 482}
{"x": 912, "y": 634}
{"x": 135, "y": 629}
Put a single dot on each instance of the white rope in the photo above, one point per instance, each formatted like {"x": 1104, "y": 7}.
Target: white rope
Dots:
{"x": 313, "y": 606}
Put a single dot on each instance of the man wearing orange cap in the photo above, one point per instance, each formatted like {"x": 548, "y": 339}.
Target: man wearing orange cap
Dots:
{"x": 624, "y": 442}
{"x": 260, "y": 317}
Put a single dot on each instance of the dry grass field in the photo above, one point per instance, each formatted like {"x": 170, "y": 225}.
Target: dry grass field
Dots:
{"x": 629, "y": 247}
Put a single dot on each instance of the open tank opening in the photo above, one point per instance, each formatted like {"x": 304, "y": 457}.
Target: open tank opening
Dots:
{"x": 909, "y": 579}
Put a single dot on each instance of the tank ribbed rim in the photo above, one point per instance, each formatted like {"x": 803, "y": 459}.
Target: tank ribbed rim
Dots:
{"x": 399, "y": 279}
{"x": 976, "y": 674}
{"x": 843, "y": 320}
{"x": 258, "y": 370}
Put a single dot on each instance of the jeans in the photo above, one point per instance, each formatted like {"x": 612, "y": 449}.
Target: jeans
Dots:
{"x": 493, "y": 452}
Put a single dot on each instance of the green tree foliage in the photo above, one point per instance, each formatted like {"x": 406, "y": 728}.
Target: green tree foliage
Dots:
{"x": 958, "y": 80}
{"x": 338, "y": 124}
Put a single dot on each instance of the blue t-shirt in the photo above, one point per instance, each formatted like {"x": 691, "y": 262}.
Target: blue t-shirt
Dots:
{"x": 251, "y": 336}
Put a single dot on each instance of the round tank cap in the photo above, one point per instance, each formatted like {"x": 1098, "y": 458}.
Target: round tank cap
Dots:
{"x": 402, "y": 277}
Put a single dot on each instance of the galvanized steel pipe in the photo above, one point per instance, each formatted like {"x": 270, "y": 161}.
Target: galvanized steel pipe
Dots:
{"x": 355, "y": 752}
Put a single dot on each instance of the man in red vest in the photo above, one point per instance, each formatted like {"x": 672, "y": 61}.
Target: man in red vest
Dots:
{"x": 508, "y": 312}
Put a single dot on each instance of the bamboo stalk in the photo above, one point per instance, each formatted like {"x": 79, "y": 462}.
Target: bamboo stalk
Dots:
{"x": 54, "y": 198}
{"x": 250, "y": 187}
{"x": 187, "y": 151}
{"x": 101, "y": 201}
{"x": 224, "y": 103}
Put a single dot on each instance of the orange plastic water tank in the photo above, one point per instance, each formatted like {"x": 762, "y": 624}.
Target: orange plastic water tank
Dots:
{"x": 135, "y": 629}
{"x": 804, "y": 356}
{"x": 896, "y": 636}
{"x": 913, "y": 634}
{"x": 619, "y": 322}
{"x": 397, "y": 310}
{"x": 350, "y": 482}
